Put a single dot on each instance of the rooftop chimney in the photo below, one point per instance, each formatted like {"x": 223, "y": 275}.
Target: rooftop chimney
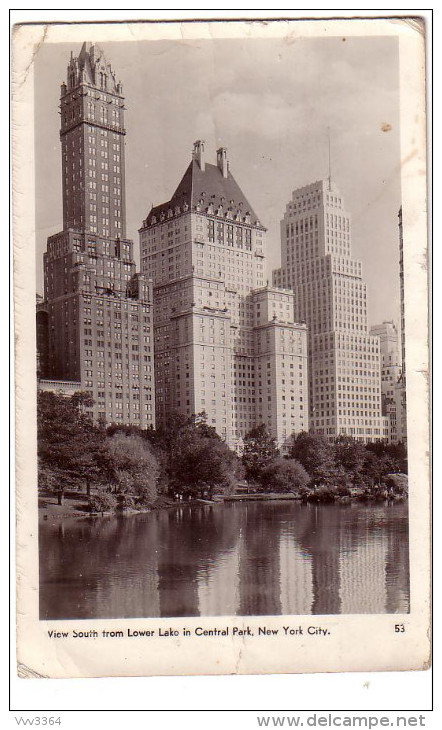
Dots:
{"x": 221, "y": 160}
{"x": 198, "y": 153}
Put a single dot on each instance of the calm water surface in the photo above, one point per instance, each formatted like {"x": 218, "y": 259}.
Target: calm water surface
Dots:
{"x": 259, "y": 558}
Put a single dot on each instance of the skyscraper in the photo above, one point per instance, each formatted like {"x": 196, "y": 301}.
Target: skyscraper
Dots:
{"x": 390, "y": 372}
{"x": 401, "y": 390}
{"x": 330, "y": 295}
{"x": 99, "y": 310}
{"x": 225, "y": 342}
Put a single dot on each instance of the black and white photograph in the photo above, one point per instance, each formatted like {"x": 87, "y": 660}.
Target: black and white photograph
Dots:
{"x": 221, "y": 334}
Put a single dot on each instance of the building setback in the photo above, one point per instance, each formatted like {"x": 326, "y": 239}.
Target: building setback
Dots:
{"x": 390, "y": 372}
{"x": 330, "y": 296}
{"x": 225, "y": 342}
{"x": 99, "y": 310}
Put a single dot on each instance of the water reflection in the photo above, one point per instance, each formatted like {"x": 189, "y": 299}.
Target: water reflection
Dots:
{"x": 255, "y": 558}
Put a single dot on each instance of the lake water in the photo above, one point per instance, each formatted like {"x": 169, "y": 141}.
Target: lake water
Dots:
{"x": 257, "y": 558}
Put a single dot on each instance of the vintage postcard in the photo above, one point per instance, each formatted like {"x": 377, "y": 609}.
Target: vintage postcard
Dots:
{"x": 220, "y": 271}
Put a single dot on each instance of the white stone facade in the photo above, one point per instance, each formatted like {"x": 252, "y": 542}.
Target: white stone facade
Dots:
{"x": 330, "y": 296}
{"x": 225, "y": 343}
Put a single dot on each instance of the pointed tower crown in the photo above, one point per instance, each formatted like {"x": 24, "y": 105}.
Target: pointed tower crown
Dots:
{"x": 91, "y": 67}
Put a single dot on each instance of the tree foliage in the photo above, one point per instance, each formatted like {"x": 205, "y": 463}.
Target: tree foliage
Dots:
{"x": 346, "y": 461}
{"x": 103, "y": 501}
{"x": 285, "y": 475}
{"x": 126, "y": 466}
{"x": 198, "y": 461}
{"x": 259, "y": 451}
{"x": 395, "y": 453}
{"x": 69, "y": 444}
{"x": 349, "y": 458}
{"x": 131, "y": 466}
{"x": 316, "y": 455}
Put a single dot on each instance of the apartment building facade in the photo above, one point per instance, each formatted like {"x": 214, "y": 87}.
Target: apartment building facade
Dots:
{"x": 391, "y": 371}
{"x": 225, "y": 342}
{"x": 98, "y": 309}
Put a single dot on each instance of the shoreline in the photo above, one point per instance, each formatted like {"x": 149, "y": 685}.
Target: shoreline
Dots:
{"x": 77, "y": 506}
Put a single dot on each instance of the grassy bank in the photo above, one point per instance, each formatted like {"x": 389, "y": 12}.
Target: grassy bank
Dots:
{"x": 76, "y": 504}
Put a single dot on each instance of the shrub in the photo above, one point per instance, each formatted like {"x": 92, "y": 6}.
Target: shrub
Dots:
{"x": 132, "y": 466}
{"x": 285, "y": 475}
{"x": 125, "y": 501}
{"x": 343, "y": 490}
{"x": 102, "y": 502}
{"x": 322, "y": 493}
{"x": 397, "y": 483}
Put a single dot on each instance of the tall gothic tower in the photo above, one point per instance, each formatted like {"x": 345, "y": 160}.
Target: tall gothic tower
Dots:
{"x": 99, "y": 316}
{"x": 92, "y": 145}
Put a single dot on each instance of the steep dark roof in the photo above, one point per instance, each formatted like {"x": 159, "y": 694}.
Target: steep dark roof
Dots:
{"x": 198, "y": 188}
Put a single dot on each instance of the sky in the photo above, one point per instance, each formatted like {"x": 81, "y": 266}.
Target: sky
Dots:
{"x": 270, "y": 102}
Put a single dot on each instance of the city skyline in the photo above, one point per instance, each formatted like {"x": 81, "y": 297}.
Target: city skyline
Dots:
{"x": 337, "y": 80}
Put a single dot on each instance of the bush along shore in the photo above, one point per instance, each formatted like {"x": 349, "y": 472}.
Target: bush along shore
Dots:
{"x": 88, "y": 468}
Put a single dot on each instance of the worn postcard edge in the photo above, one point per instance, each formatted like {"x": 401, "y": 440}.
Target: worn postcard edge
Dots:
{"x": 363, "y": 642}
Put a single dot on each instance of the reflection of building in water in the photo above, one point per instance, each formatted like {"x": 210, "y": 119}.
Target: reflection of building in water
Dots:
{"x": 319, "y": 533}
{"x": 362, "y": 570}
{"x": 326, "y": 580}
{"x": 191, "y": 537}
{"x": 259, "y": 567}
{"x": 243, "y": 559}
{"x": 398, "y": 570}
{"x": 177, "y": 566}
{"x": 105, "y": 568}
{"x": 296, "y": 577}
{"x": 131, "y": 593}
{"x": 218, "y": 586}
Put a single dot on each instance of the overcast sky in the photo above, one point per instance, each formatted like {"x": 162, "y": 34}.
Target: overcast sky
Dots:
{"x": 270, "y": 103}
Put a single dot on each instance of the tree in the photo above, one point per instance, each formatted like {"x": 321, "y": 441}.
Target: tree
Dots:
{"x": 372, "y": 470}
{"x": 82, "y": 400}
{"x": 102, "y": 501}
{"x": 350, "y": 456}
{"x": 397, "y": 483}
{"x": 316, "y": 455}
{"x": 200, "y": 422}
{"x": 131, "y": 466}
{"x": 50, "y": 479}
{"x": 396, "y": 453}
{"x": 259, "y": 451}
{"x": 193, "y": 459}
{"x": 166, "y": 435}
{"x": 69, "y": 443}
{"x": 285, "y": 475}
{"x": 201, "y": 464}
